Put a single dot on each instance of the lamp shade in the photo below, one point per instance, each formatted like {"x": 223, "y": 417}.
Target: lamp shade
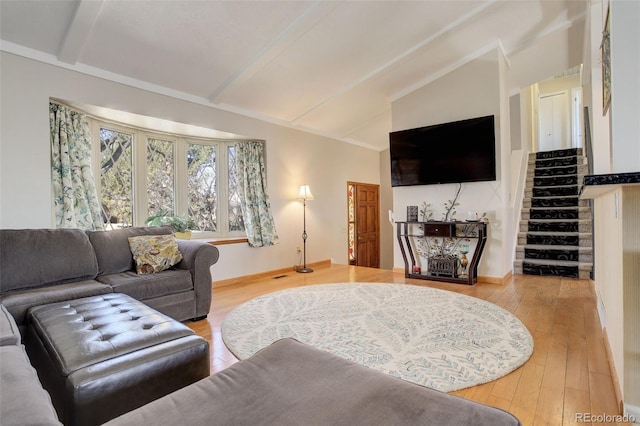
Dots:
{"x": 305, "y": 193}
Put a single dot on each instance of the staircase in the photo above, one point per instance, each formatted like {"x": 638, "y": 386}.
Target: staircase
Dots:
{"x": 555, "y": 228}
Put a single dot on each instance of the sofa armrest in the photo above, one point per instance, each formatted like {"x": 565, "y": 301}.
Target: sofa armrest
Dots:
{"x": 9, "y": 332}
{"x": 198, "y": 256}
{"x": 23, "y": 401}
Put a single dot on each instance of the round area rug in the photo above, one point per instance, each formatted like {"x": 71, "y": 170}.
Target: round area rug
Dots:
{"x": 436, "y": 338}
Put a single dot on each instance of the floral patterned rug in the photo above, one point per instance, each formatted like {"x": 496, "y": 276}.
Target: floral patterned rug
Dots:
{"x": 436, "y": 338}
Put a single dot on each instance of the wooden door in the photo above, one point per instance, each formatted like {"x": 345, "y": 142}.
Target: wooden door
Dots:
{"x": 364, "y": 224}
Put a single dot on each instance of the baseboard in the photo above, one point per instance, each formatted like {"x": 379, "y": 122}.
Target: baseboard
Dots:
{"x": 617, "y": 390}
{"x": 481, "y": 279}
{"x": 266, "y": 274}
{"x": 496, "y": 280}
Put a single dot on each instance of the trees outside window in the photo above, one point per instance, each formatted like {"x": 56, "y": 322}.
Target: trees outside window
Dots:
{"x": 143, "y": 173}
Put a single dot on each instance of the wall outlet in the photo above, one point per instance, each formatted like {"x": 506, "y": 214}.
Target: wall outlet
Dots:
{"x": 298, "y": 250}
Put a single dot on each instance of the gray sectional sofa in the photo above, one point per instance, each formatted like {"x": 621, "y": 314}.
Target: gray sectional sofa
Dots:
{"x": 23, "y": 400}
{"x": 41, "y": 266}
{"x": 289, "y": 383}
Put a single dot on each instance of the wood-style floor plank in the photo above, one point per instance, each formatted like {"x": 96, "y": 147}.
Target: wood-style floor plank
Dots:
{"x": 567, "y": 374}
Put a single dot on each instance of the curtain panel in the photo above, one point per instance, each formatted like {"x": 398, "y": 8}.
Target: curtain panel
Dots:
{"x": 74, "y": 191}
{"x": 252, "y": 186}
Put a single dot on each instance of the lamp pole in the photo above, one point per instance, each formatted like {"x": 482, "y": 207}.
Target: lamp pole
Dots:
{"x": 304, "y": 194}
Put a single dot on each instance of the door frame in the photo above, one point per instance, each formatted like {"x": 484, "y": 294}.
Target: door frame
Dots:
{"x": 352, "y": 223}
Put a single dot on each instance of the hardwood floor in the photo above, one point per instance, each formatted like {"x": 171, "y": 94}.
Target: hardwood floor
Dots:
{"x": 567, "y": 374}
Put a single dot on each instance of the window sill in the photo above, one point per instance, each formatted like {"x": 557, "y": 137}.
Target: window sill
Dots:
{"x": 223, "y": 240}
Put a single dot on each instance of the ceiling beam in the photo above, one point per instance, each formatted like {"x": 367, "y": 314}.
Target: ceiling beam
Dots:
{"x": 79, "y": 29}
{"x": 314, "y": 14}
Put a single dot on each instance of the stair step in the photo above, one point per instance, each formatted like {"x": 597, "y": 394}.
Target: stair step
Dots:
{"x": 547, "y": 238}
{"x": 558, "y": 213}
{"x": 545, "y": 203}
{"x": 552, "y": 254}
{"x": 556, "y": 191}
{"x": 569, "y": 152}
{"x": 562, "y": 226}
{"x": 555, "y": 268}
{"x": 552, "y": 201}
{"x": 573, "y": 253}
{"x": 556, "y": 225}
{"x": 557, "y": 162}
{"x": 580, "y": 170}
{"x": 556, "y": 171}
{"x": 545, "y": 181}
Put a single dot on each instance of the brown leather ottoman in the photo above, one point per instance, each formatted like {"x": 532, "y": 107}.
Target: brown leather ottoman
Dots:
{"x": 99, "y": 357}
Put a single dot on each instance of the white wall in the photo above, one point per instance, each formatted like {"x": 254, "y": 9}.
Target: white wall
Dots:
{"x": 592, "y": 88}
{"x": 616, "y": 148}
{"x": 625, "y": 86}
{"x": 293, "y": 158}
{"x": 472, "y": 90}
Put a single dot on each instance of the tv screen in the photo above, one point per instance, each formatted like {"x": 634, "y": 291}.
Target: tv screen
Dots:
{"x": 460, "y": 151}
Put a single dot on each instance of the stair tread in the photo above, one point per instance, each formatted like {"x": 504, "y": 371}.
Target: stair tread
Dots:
{"x": 554, "y": 262}
{"x": 557, "y": 172}
{"x": 556, "y": 196}
{"x": 556, "y": 186}
{"x": 553, "y": 247}
{"x": 555, "y": 220}
{"x": 524, "y": 233}
{"x": 581, "y": 208}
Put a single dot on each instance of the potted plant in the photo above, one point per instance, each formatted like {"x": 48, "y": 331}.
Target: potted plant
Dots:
{"x": 181, "y": 225}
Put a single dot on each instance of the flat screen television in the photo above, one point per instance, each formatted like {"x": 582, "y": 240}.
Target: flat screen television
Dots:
{"x": 460, "y": 151}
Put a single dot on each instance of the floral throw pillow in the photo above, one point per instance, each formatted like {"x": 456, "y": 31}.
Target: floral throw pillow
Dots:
{"x": 154, "y": 253}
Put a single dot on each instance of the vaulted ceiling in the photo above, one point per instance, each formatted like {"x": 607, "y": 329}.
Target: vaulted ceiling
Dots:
{"x": 327, "y": 67}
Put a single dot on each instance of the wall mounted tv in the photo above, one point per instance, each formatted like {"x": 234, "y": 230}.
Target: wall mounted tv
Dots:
{"x": 460, "y": 151}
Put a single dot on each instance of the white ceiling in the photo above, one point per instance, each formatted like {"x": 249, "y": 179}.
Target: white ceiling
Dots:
{"x": 328, "y": 67}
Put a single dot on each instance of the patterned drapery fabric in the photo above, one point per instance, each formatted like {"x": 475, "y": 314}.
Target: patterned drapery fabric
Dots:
{"x": 252, "y": 187}
{"x": 75, "y": 197}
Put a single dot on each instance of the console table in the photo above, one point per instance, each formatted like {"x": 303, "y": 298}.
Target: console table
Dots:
{"x": 441, "y": 230}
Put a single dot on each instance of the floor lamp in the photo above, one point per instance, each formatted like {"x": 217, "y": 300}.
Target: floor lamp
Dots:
{"x": 304, "y": 194}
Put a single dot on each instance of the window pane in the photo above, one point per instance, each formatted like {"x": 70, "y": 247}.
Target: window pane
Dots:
{"x": 160, "y": 176}
{"x": 116, "y": 179}
{"x": 201, "y": 169}
{"x": 236, "y": 221}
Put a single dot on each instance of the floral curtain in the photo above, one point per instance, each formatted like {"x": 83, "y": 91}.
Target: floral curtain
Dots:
{"x": 75, "y": 197}
{"x": 252, "y": 186}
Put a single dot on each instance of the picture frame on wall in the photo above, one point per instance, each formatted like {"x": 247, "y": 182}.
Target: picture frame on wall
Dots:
{"x": 605, "y": 50}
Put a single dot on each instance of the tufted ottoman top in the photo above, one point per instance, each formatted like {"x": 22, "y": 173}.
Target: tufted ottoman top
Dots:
{"x": 82, "y": 332}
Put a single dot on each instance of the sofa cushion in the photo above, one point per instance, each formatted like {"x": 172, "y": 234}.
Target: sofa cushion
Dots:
{"x": 154, "y": 253}
{"x": 148, "y": 286}
{"x": 23, "y": 401}
{"x": 37, "y": 257}
{"x": 9, "y": 332}
{"x": 18, "y": 302}
{"x": 112, "y": 247}
{"x": 289, "y": 383}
